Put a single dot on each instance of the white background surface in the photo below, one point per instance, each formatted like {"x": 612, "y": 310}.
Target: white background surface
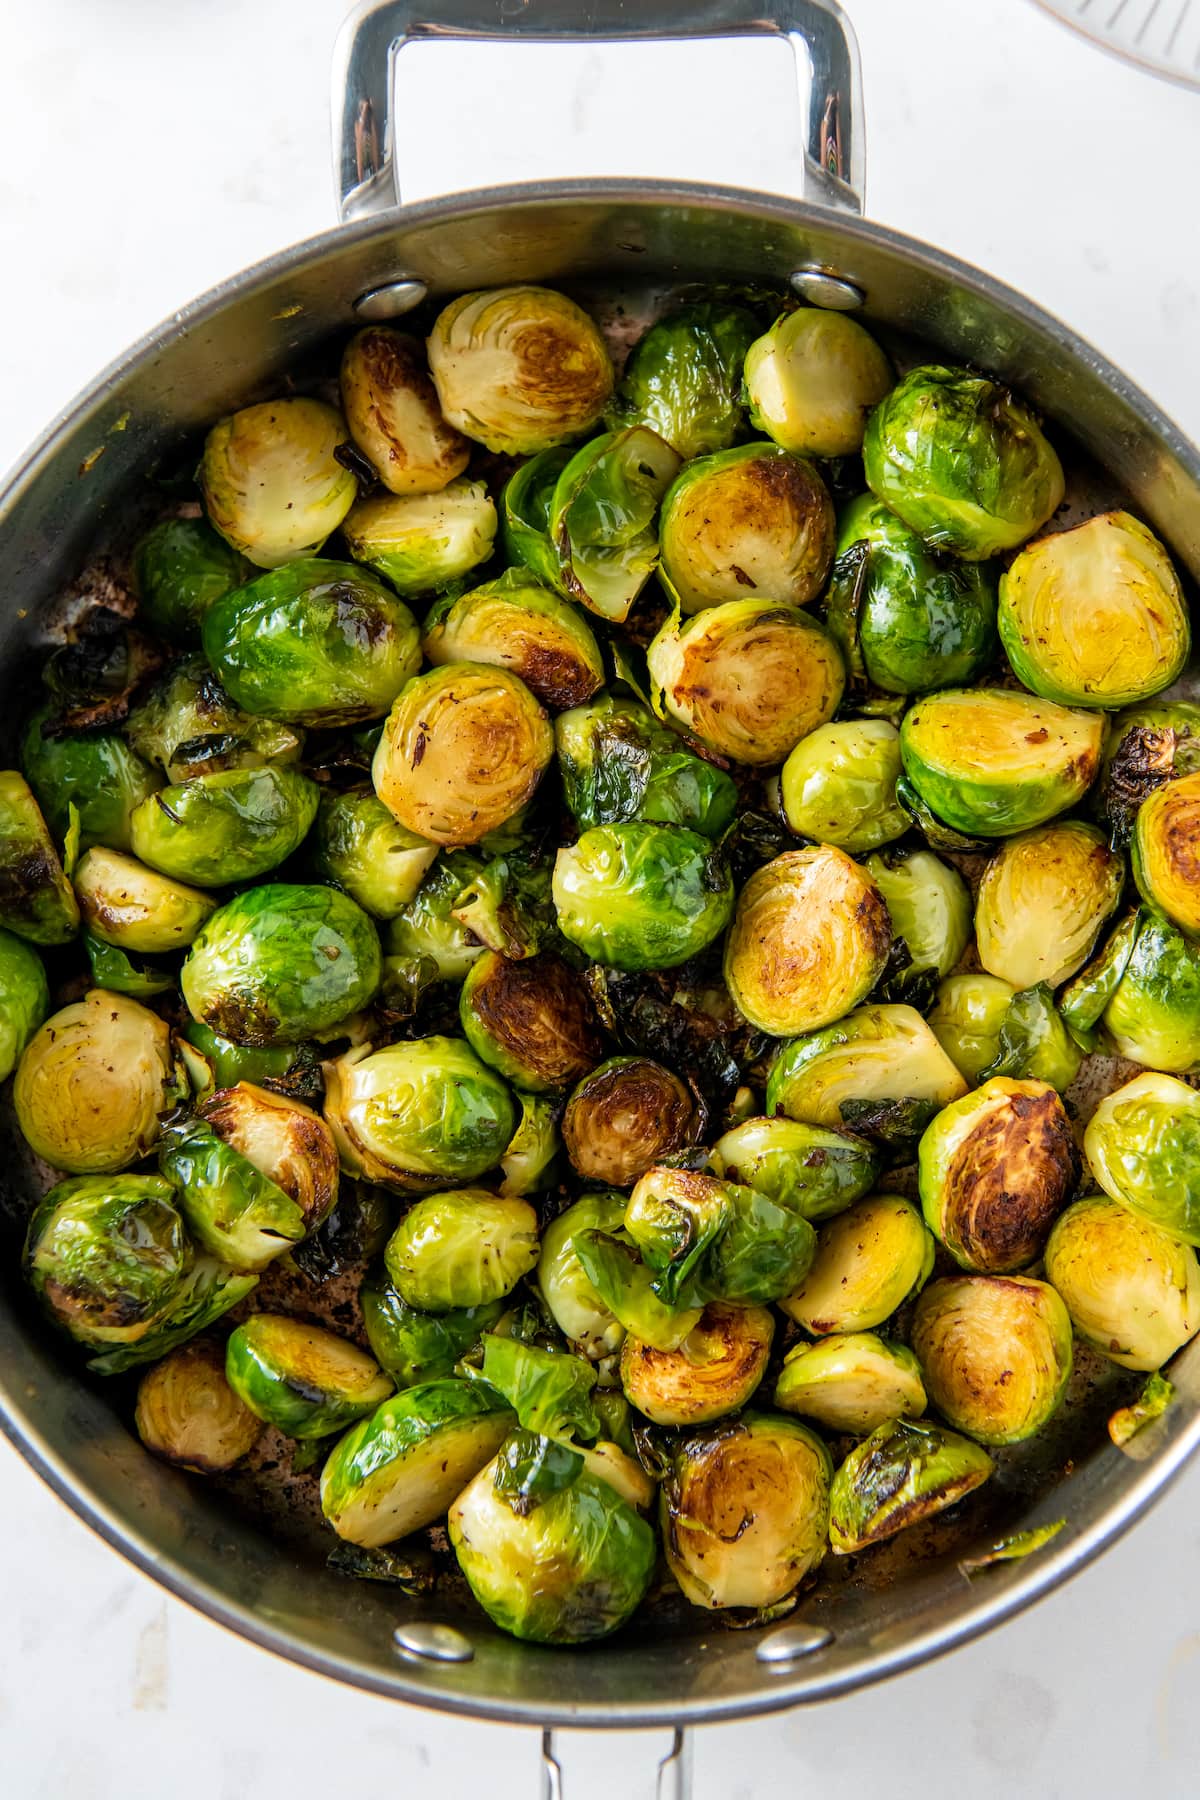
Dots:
{"x": 148, "y": 150}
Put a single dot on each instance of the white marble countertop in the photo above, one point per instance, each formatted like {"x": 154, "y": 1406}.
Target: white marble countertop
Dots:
{"x": 147, "y": 152}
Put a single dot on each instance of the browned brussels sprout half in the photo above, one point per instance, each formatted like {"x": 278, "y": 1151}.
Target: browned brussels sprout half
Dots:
{"x": 516, "y": 624}
{"x": 287, "y": 1142}
{"x": 996, "y": 1353}
{"x": 869, "y": 1260}
{"x": 1166, "y": 852}
{"x": 624, "y": 1117}
{"x": 532, "y": 1020}
{"x": 714, "y": 1371}
{"x": 1043, "y": 901}
{"x": 188, "y": 1414}
{"x": 1132, "y": 1290}
{"x": 36, "y": 899}
{"x": 272, "y": 484}
{"x": 392, "y": 410}
{"x": 901, "y": 1475}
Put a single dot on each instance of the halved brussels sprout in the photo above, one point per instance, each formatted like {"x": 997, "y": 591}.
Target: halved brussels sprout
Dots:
{"x": 281, "y": 962}
{"x": 901, "y": 1475}
{"x": 1034, "y": 1042}
{"x": 1147, "y": 746}
{"x": 362, "y": 849}
{"x": 416, "y": 1346}
{"x": 36, "y": 899}
{"x": 640, "y": 896}
{"x": 420, "y": 1114}
{"x": 187, "y": 724}
{"x": 906, "y": 619}
{"x": 869, "y": 1260}
{"x": 94, "y": 772}
{"x": 463, "y": 749}
{"x": 532, "y": 1020}
{"x": 618, "y": 763}
{"x": 188, "y": 1414}
{"x": 1143, "y": 1147}
{"x": 745, "y": 1511}
{"x": 751, "y": 520}
{"x": 272, "y": 484}
{"x": 839, "y": 785}
{"x": 1095, "y": 616}
{"x": 1043, "y": 901}
{"x": 24, "y": 999}
{"x": 812, "y": 1172}
{"x": 626, "y": 1287}
{"x": 714, "y": 1371}
{"x": 179, "y": 567}
{"x": 851, "y": 1073}
{"x": 300, "y": 1378}
{"x": 92, "y": 1083}
{"x": 107, "y": 1256}
{"x": 996, "y": 1169}
{"x": 812, "y": 379}
{"x": 525, "y": 508}
{"x": 426, "y": 931}
{"x": 287, "y": 1142}
{"x": 962, "y": 461}
{"x": 708, "y": 1239}
{"x": 991, "y": 761}
{"x": 513, "y": 623}
{"x": 809, "y": 940}
{"x": 929, "y": 905}
{"x": 519, "y": 368}
{"x": 573, "y": 1303}
{"x": 749, "y": 678}
{"x": 230, "y": 827}
{"x": 602, "y": 518}
{"x": 530, "y": 1162}
{"x": 683, "y": 377}
{"x": 392, "y": 411}
{"x": 1152, "y": 1014}
{"x": 625, "y": 1117}
{"x": 1132, "y": 1289}
{"x": 125, "y": 903}
{"x": 461, "y": 1248}
{"x": 422, "y": 543}
{"x": 996, "y": 1353}
{"x": 851, "y": 1381}
{"x": 1166, "y": 852}
{"x": 967, "y": 1018}
{"x": 233, "y": 1211}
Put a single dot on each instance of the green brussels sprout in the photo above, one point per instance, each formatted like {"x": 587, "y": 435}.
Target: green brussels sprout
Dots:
{"x": 992, "y": 761}
{"x": 626, "y": 1116}
{"x": 360, "y": 848}
{"x": 187, "y": 724}
{"x": 123, "y": 902}
{"x": 235, "y": 1213}
{"x": 1143, "y": 1147}
{"x": 107, "y": 1255}
{"x": 572, "y": 1301}
{"x": 812, "y": 379}
{"x": 753, "y": 520}
{"x": 745, "y": 1511}
{"x": 461, "y": 1248}
{"x": 749, "y": 678}
{"x": 513, "y": 623}
{"x": 92, "y": 1082}
{"x": 427, "y": 930}
{"x": 1147, "y": 746}
{"x": 1152, "y": 1015}
{"x": 392, "y": 411}
{"x": 24, "y": 999}
{"x": 602, "y": 519}
{"x": 967, "y": 1019}
{"x": 618, "y": 763}
{"x": 1132, "y": 1289}
{"x": 549, "y": 1390}
{"x": 230, "y": 1063}
{"x": 36, "y": 899}
{"x": 506, "y": 903}
{"x": 418, "y": 1346}
{"x": 272, "y": 484}
{"x": 625, "y": 1287}
{"x": 709, "y": 1239}
{"x": 929, "y": 905}
{"x": 995, "y": 1351}
{"x": 210, "y": 1289}
{"x": 117, "y": 973}
{"x": 532, "y": 1020}
{"x": 906, "y": 619}
{"x": 300, "y": 1378}
{"x": 901, "y": 1475}
{"x": 683, "y": 377}
{"x": 1153, "y": 1401}
{"x": 229, "y": 827}
{"x": 849, "y": 1074}
{"x": 283, "y": 1139}
{"x": 179, "y": 567}
{"x": 188, "y": 1414}
{"x": 463, "y": 749}
{"x": 996, "y": 1169}
{"x": 869, "y": 1260}
{"x": 318, "y": 643}
{"x": 1095, "y": 616}
{"x": 639, "y": 896}
{"x": 851, "y": 1381}
{"x": 811, "y": 1172}
{"x": 530, "y": 1163}
{"x": 422, "y": 543}
{"x": 961, "y": 461}
{"x": 1034, "y": 1042}
{"x": 565, "y": 1568}
{"x": 420, "y": 1114}
{"x": 1082, "y": 1001}
{"x": 1043, "y": 900}
{"x": 809, "y": 940}
{"x": 839, "y": 785}
{"x": 525, "y": 512}
{"x": 1166, "y": 866}
{"x": 281, "y": 962}
{"x": 713, "y": 1372}
{"x": 95, "y": 772}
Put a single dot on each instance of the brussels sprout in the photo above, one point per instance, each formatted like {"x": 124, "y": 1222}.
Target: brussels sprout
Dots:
{"x": 92, "y": 1083}
{"x": 118, "y": 974}
{"x": 683, "y": 377}
{"x": 419, "y": 1346}
{"x": 749, "y": 678}
{"x": 235, "y": 1213}
{"x": 961, "y": 461}
{"x": 839, "y": 785}
{"x": 300, "y": 1378}
{"x": 550, "y": 1391}
{"x": 1147, "y": 746}
{"x": 1095, "y": 616}
{"x": 602, "y": 518}
{"x": 1132, "y": 1290}
{"x": 967, "y": 1019}
{"x": 996, "y": 1353}
{"x": 572, "y": 1301}
{"x": 870, "y": 1260}
{"x": 618, "y": 1466}
{"x": 272, "y": 484}
{"x": 713, "y": 1372}
{"x": 814, "y": 1173}
{"x": 400, "y": 1469}
{"x": 525, "y": 510}
{"x": 901, "y": 1475}
{"x": 1034, "y": 1041}
{"x": 852, "y": 1072}
{"x": 178, "y": 568}
{"x": 36, "y": 899}
{"x": 422, "y": 543}
{"x": 507, "y": 903}
{"x": 232, "y": 826}
{"x": 906, "y": 619}
{"x": 563, "y": 1569}
{"x": 125, "y": 903}
{"x": 107, "y": 1256}
{"x": 812, "y": 379}
{"x": 996, "y": 1169}
{"x": 188, "y": 1414}
{"x": 391, "y": 408}
{"x": 278, "y": 963}
{"x": 532, "y": 1020}
{"x": 519, "y": 368}
{"x": 420, "y": 1114}
{"x": 461, "y": 1248}
{"x": 1152, "y": 1014}
{"x": 229, "y": 1063}
{"x": 1143, "y": 1147}
{"x": 95, "y": 772}
{"x": 210, "y": 1289}
{"x": 463, "y": 749}
{"x": 626, "y": 1288}
{"x": 187, "y": 725}
{"x": 625, "y": 1117}
{"x": 992, "y": 761}
{"x": 708, "y": 1239}
{"x": 286, "y": 1142}
{"x": 618, "y": 763}
{"x": 745, "y": 1511}
{"x": 513, "y": 623}
{"x": 809, "y": 940}
{"x": 1166, "y": 863}
{"x": 530, "y": 1161}
{"x": 363, "y": 850}
{"x": 427, "y": 931}
{"x": 1153, "y": 1401}
{"x": 750, "y": 520}
{"x": 929, "y": 906}
{"x": 24, "y": 999}
{"x": 639, "y": 896}
{"x": 853, "y": 1382}
{"x": 1043, "y": 900}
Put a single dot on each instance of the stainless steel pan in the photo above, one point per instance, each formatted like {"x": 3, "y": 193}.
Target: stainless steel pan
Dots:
{"x": 620, "y": 243}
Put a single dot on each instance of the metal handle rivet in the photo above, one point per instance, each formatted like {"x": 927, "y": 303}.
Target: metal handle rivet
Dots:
{"x": 820, "y": 288}
{"x": 791, "y": 1642}
{"x": 424, "y": 1642}
{"x": 392, "y": 299}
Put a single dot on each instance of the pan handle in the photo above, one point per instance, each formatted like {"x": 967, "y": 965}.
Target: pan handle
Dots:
{"x": 674, "y": 1771}
{"x": 378, "y": 30}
